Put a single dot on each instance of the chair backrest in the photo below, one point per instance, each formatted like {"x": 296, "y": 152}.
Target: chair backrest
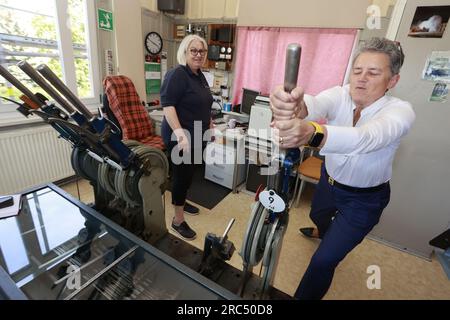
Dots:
{"x": 126, "y": 105}
{"x": 109, "y": 114}
{"x": 308, "y": 171}
{"x": 311, "y": 165}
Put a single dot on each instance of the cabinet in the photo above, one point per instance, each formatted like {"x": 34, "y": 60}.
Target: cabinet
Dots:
{"x": 194, "y": 9}
{"x": 208, "y": 9}
{"x": 231, "y": 8}
{"x": 225, "y": 162}
{"x": 213, "y": 9}
{"x": 221, "y": 46}
{"x": 220, "y": 162}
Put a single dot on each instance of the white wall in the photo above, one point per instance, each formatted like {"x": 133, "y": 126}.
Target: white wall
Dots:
{"x": 303, "y": 13}
{"x": 384, "y": 5}
{"x": 129, "y": 44}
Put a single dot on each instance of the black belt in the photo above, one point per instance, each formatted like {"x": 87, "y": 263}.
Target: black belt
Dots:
{"x": 334, "y": 183}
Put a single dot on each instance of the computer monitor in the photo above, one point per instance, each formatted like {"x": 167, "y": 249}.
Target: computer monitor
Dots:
{"x": 248, "y": 99}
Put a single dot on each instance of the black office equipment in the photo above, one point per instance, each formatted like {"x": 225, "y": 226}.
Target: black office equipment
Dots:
{"x": 254, "y": 177}
{"x": 225, "y": 34}
{"x": 248, "y": 99}
{"x": 213, "y": 35}
{"x": 171, "y": 6}
{"x": 213, "y": 52}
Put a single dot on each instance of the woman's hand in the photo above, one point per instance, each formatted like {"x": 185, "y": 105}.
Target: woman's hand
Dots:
{"x": 183, "y": 142}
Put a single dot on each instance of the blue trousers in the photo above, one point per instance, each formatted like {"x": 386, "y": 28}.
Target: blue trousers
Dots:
{"x": 343, "y": 219}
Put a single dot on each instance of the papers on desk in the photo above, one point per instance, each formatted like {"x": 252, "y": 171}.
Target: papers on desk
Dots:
{"x": 223, "y": 130}
{"x": 12, "y": 210}
{"x": 235, "y": 133}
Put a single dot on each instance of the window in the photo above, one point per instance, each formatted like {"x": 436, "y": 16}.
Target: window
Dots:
{"x": 58, "y": 33}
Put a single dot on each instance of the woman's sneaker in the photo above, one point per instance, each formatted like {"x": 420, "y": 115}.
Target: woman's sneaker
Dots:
{"x": 190, "y": 209}
{"x": 184, "y": 231}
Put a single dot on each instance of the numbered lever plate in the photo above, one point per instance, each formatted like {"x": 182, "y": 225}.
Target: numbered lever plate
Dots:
{"x": 272, "y": 201}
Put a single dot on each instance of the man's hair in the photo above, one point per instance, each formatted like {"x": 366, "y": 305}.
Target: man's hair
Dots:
{"x": 184, "y": 45}
{"x": 389, "y": 47}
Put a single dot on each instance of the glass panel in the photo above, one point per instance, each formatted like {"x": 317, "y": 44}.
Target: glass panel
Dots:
{"x": 57, "y": 225}
{"x": 12, "y": 246}
{"x": 27, "y": 32}
{"x": 143, "y": 277}
{"x": 68, "y": 253}
{"x": 78, "y": 18}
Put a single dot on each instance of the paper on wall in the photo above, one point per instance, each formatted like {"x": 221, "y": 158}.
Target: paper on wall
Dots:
{"x": 152, "y": 75}
{"x": 437, "y": 67}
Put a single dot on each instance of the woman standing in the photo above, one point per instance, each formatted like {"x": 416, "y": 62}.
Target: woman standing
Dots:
{"x": 187, "y": 100}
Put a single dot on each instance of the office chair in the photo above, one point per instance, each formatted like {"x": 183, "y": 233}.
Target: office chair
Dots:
{"x": 308, "y": 171}
{"x": 124, "y": 102}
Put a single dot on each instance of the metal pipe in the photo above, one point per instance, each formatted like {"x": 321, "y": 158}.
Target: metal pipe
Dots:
{"x": 230, "y": 224}
{"x": 292, "y": 64}
{"x": 28, "y": 69}
{"x": 48, "y": 74}
{"x": 16, "y": 83}
{"x": 293, "y": 53}
{"x": 118, "y": 151}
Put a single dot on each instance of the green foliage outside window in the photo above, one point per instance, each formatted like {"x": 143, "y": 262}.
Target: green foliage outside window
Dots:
{"x": 43, "y": 27}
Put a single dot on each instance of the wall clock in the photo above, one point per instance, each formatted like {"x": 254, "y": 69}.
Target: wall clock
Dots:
{"x": 153, "y": 42}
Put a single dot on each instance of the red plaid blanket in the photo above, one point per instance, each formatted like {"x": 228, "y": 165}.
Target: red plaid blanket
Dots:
{"x": 133, "y": 118}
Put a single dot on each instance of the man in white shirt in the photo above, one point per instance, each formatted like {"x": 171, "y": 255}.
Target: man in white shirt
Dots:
{"x": 362, "y": 132}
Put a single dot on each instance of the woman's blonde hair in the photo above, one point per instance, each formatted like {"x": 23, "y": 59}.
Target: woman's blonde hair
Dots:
{"x": 184, "y": 45}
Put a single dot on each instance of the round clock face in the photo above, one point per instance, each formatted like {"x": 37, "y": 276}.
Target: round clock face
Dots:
{"x": 153, "y": 43}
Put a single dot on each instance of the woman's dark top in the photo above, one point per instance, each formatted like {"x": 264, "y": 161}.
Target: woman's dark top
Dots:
{"x": 190, "y": 95}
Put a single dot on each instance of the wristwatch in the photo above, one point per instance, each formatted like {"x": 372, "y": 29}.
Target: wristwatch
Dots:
{"x": 317, "y": 136}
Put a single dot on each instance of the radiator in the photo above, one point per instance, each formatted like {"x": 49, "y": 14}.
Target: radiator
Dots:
{"x": 33, "y": 156}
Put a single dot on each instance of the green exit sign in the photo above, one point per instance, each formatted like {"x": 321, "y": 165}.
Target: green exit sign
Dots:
{"x": 105, "y": 20}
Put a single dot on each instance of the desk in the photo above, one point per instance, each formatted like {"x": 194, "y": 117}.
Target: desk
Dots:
{"x": 225, "y": 157}
{"x": 59, "y": 248}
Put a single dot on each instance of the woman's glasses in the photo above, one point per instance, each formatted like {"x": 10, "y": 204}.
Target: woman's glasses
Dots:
{"x": 195, "y": 52}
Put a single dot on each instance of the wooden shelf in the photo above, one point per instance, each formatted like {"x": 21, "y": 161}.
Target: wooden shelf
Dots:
{"x": 221, "y": 35}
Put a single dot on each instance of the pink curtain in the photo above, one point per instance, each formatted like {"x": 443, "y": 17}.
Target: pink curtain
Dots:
{"x": 261, "y": 55}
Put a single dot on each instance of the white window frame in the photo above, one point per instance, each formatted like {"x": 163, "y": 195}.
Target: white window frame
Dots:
{"x": 9, "y": 116}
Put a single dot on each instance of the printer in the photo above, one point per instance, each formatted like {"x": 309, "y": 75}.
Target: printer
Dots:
{"x": 259, "y": 131}
{"x": 258, "y": 143}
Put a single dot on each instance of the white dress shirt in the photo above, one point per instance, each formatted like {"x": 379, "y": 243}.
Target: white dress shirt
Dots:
{"x": 360, "y": 156}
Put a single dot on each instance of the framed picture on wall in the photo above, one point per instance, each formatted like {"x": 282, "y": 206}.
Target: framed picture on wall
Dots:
{"x": 429, "y": 22}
